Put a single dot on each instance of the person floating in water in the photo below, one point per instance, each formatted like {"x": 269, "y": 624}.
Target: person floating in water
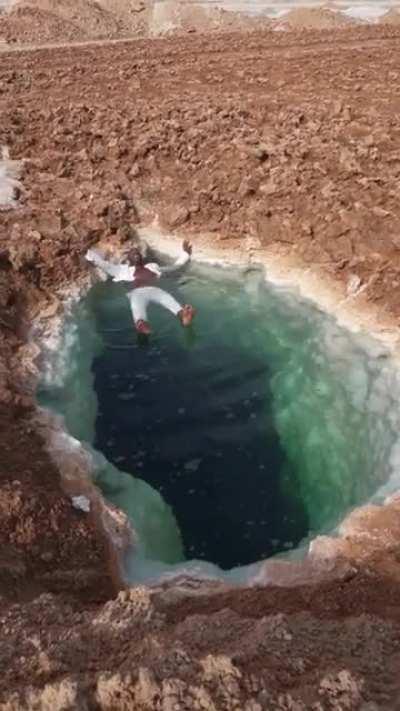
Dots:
{"x": 143, "y": 277}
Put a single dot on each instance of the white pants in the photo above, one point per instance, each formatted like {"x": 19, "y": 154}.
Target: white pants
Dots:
{"x": 144, "y": 295}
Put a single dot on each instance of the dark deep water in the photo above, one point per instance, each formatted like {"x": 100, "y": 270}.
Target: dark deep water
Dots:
{"x": 190, "y": 413}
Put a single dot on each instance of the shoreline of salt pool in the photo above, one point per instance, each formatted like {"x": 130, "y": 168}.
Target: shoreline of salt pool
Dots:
{"x": 326, "y": 557}
{"x": 74, "y": 463}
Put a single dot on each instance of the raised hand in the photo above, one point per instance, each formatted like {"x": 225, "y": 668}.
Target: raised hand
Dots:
{"x": 187, "y": 246}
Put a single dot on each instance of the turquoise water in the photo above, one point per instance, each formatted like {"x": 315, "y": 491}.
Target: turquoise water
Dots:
{"x": 237, "y": 439}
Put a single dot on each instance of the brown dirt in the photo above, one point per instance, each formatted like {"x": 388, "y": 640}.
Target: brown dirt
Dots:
{"x": 391, "y": 18}
{"x": 28, "y": 24}
{"x": 175, "y": 650}
{"x": 291, "y": 140}
{"x": 46, "y": 545}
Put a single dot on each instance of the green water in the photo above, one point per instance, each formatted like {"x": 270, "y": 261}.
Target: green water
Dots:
{"x": 318, "y": 438}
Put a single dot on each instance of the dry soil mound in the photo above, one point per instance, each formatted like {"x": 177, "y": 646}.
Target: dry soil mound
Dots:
{"x": 87, "y": 15}
{"x": 131, "y": 14}
{"x": 171, "y": 17}
{"x": 33, "y": 25}
{"x": 38, "y": 21}
{"x": 313, "y": 18}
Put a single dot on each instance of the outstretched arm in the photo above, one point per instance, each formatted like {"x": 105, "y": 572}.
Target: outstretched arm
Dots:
{"x": 183, "y": 259}
{"x": 119, "y": 272}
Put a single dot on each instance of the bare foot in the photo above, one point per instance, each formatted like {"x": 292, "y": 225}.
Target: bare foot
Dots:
{"x": 143, "y": 327}
{"x": 186, "y": 315}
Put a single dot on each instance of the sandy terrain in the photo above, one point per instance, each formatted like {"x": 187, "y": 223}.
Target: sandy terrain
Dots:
{"x": 284, "y": 143}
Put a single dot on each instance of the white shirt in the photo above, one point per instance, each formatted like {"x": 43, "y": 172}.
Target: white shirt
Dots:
{"x": 125, "y": 272}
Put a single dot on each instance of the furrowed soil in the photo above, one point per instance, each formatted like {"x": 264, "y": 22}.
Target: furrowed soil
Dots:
{"x": 281, "y": 143}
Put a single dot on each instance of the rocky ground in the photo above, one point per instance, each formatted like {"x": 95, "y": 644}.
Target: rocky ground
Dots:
{"x": 290, "y": 142}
